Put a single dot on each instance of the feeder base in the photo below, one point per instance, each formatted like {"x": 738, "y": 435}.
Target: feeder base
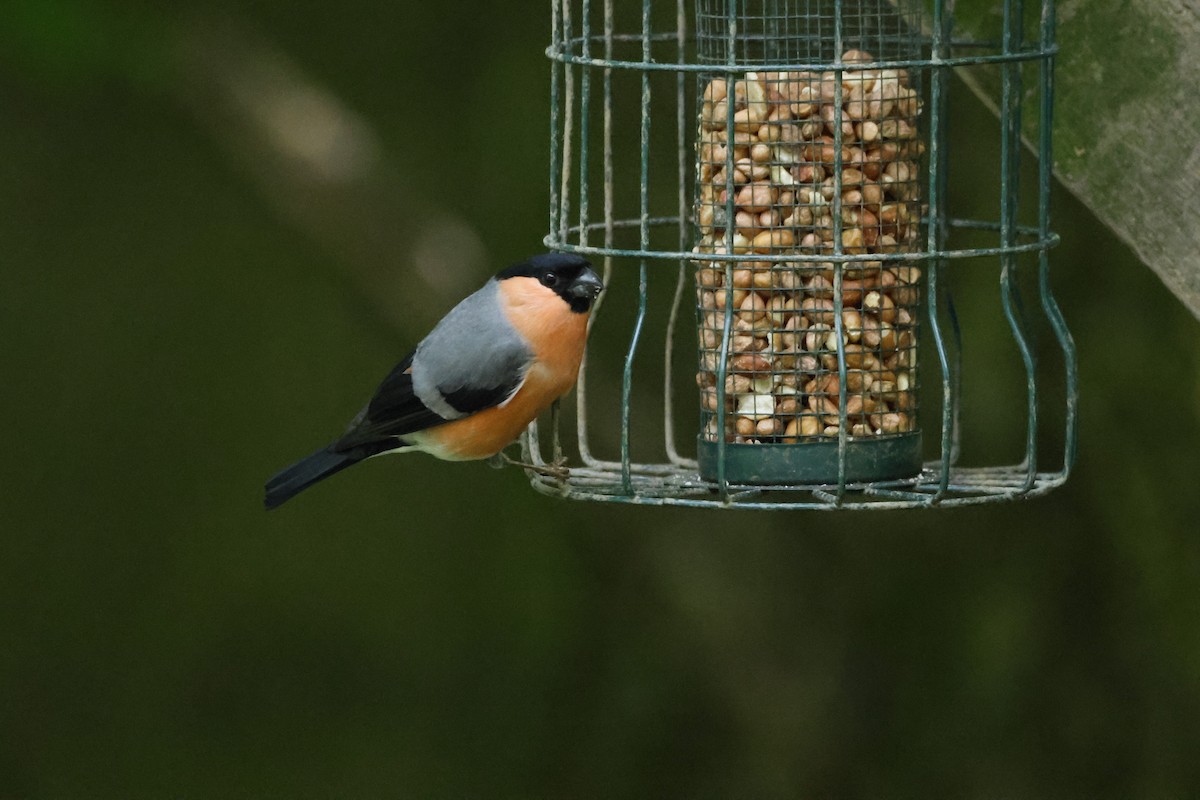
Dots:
{"x": 875, "y": 459}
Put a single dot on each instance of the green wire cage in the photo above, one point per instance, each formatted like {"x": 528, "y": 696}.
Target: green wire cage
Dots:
{"x": 767, "y": 186}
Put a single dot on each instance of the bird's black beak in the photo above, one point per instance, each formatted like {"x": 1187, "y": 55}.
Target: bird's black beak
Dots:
{"x": 586, "y": 285}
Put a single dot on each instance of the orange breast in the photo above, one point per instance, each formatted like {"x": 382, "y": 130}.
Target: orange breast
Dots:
{"x": 556, "y": 334}
{"x": 557, "y": 337}
{"x": 488, "y": 432}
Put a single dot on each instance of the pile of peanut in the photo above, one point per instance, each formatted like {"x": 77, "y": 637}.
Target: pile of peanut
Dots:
{"x": 782, "y": 381}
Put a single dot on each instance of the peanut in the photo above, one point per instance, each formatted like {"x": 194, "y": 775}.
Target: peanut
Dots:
{"x": 777, "y": 164}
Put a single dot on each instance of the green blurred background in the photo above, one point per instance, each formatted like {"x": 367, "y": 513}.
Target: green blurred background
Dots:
{"x": 181, "y": 315}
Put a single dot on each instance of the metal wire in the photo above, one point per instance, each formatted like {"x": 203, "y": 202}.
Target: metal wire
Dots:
{"x": 842, "y": 47}
{"x": 681, "y": 128}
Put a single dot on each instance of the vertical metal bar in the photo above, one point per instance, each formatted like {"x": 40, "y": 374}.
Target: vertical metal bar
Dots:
{"x": 839, "y": 250}
{"x": 534, "y": 455}
{"x": 584, "y": 103}
{"x": 1010, "y": 144}
{"x": 555, "y": 150}
{"x": 608, "y": 136}
{"x": 683, "y": 211}
{"x": 568, "y": 128}
{"x": 936, "y": 232}
{"x": 727, "y": 329}
{"x": 585, "y": 95}
{"x": 1017, "y": 151}
{"x": 942, "y": 165}
{"x": 556, "y": 450}
{"x": 581, "y": 424}
{"x": 644, "y": 244}
{"x": 1045, "y": 167}
{"x": 956, "y": 367}
{"x": 531, "y": 451}
{"x": 529, "y": 440}
{"x": 531, "y": 448}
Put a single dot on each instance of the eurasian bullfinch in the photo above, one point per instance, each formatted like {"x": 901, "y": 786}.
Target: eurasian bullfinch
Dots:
{"x": 488, "y": 369}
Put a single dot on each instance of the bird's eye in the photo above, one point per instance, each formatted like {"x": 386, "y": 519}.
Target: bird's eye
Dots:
{"x": 550, "y": 279}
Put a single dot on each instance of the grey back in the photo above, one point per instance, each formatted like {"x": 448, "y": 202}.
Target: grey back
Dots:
{"x": 474, "y": 348}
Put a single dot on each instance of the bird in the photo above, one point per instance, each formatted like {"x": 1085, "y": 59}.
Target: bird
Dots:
{"x": 492, "y": 364}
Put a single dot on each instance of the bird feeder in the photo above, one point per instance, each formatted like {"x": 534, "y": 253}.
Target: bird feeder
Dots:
{"x": 768, "y": 187}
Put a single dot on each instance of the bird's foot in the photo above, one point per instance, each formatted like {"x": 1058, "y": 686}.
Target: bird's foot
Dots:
{"x": 557, "y": 469}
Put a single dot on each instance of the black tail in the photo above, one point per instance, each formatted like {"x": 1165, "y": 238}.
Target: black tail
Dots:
{"x": 292, "y": 480}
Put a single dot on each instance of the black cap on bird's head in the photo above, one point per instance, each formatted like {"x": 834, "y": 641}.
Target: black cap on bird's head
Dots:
{"x": 570, "y": 276}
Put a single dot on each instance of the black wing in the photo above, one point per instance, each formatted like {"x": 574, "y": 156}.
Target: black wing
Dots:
{"x": 474, "y": 399}
{"x": 395, "y": 410}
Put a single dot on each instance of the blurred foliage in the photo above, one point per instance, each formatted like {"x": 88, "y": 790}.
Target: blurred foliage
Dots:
{"x": 429, "y": 629}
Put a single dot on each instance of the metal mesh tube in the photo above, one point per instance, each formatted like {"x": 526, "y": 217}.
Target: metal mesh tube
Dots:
{"x": 809, "y": 202}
